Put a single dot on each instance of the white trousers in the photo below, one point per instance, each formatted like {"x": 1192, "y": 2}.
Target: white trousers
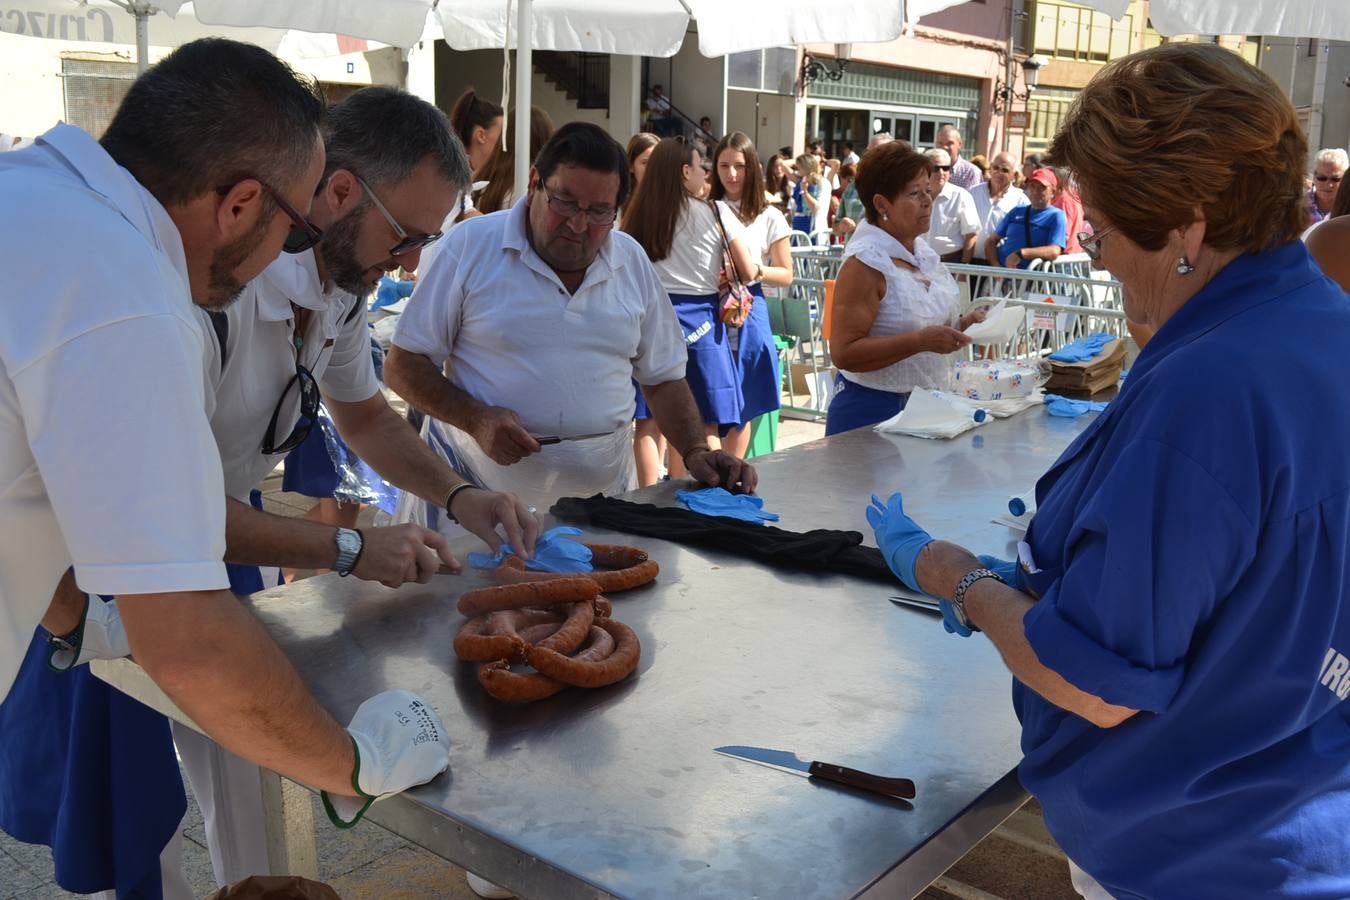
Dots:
{"x": 1086, "y": 885}
{"x": 170, "y": 871}
{"x": 229, "y": 791}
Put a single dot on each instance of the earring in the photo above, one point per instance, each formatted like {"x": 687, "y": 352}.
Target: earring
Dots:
{"x": 1184, "y": 266}
{"x": 885, "y": 218}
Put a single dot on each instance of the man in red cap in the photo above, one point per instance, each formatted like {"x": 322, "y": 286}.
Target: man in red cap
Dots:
{"x": 1038, "y": 231}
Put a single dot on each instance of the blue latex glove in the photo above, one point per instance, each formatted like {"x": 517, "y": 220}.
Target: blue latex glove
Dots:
{"x": 1068, "y": 408}
{"x": 1005, "y": 568}
{"x": 716, "y": 501}
{"x": 553, "y": 552}
{"x": 899, "y": 538}
{"x": 1082, "y": 349}
{"x": 390, "y": 291}
{"x": 950, "y": 621}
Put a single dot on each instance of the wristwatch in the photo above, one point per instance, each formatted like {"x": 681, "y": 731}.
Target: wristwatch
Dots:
{"x": 450, "y": 498}
{"x": 349, "y": 546}
{"x": 959, "y": 597}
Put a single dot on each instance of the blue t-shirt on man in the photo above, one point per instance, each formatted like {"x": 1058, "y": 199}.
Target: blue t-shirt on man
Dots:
{"x": 1048, "y": 226}
{"x": 1194, "y": 554}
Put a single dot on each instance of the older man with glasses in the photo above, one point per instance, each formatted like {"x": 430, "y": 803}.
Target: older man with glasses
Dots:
{"x": 955, "y": 223}
{"x": 113, "y": 481}
{"x": 523, "y": 340}
{"x": 1328, "y": 170}
{"x": 995, "y": 198}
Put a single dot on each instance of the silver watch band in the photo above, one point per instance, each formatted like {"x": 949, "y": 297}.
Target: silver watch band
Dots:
{"x": 349, "y": 546}
{"x": 959, "y": 595}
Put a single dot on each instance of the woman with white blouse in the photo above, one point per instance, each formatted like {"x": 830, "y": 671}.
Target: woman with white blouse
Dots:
{"x": 738, "y": 180}
{"x": 895, "y": 304}
{"x": 684, "y": 241}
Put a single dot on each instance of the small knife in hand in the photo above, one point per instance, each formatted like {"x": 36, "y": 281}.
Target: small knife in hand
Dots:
{"x": 554, "y": 439}
{"x": 899, "y": 788}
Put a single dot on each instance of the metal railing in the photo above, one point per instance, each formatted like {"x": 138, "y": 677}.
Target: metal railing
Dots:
{"x": 1057, "y": 308}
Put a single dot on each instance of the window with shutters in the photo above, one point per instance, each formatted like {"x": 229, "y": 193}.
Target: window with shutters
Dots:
{"x": 93, "y": 90}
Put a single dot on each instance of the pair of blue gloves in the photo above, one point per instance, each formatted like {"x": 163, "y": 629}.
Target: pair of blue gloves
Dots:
{"x": 554, "y": 551}
{"x": 716, "y": 501}
{"x": 1082, "y": 349}
{"x": 901, "y": 539}
{"x": 1069, "y": 408}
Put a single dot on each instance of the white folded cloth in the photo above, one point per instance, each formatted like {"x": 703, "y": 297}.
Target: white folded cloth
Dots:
{"x": 934, "y": 414}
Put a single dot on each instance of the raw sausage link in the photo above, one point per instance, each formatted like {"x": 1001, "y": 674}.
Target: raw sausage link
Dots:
{"x": 473, "y": 645}
{"x": 511, "y": 621}
{"x": 616, "y": 556}
{"x": 516, "y": 687}
{"x": 603, "y": 608}
{"x": 519, "y": 596}
{"x": 610, "y": 582}
{"x": 591, "y": 674}
{"x": 574, "y": 629}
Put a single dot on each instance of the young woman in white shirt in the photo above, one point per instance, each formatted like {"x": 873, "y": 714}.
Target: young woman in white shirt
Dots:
{"x": 739, "y": 182}
{"x": 684, "y": 241}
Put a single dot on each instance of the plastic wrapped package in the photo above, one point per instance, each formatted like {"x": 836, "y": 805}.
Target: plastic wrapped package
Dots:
{"x": 996, "y": 379}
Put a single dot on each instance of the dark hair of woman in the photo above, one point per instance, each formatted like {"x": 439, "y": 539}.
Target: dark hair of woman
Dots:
{"x": 472, "y": 111}
{"x": 1341, "y": 205}
{"x": 500, "y": 173}
{"x": 886, "y": 169}
{"x": 659, "y": 201}
{"x": 639, "y": 144}
{"x": 775, "y": 184}
{"x": 753, "y": 201}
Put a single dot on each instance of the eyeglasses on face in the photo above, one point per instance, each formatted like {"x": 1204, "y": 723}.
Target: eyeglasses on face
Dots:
{"x": 1007, "y": 169}
{"x": 1092, "y": 242}
{"x": 406, "y": 243}
{"x": 943, "y": 168}
{"x": 303, "y": 233}
{"x": 309, "y": 413}
{"x": 595, "y": 215}
{"x": 1334, "y": 179}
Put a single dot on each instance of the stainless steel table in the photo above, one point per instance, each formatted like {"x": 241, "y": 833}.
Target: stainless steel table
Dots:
{"x": 618, "y": 791}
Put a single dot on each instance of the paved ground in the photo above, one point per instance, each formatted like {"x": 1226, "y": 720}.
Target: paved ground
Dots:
{"x": 368, "y": 863}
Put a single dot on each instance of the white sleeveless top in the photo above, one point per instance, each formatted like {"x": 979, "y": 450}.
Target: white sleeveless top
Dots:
{"x": 913, "y": 300}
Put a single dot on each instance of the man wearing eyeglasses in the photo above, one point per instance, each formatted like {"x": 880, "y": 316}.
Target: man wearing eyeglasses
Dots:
{"x": 107, "y": 465}
{"x": 394, "y": 170}
{"x": 1328, "y": 169}
{"x": 954, "y": 225}
{"x": 995, "y": 198}
{"x": 1034, "y": 231}
{"x": 524, "y": 338}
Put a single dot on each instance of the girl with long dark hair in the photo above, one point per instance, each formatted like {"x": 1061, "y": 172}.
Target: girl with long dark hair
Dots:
{"x": 737, "y": 181}
{"x": 684, "y": 238}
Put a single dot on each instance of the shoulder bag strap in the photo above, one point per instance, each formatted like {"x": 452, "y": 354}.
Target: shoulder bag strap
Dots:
{"x": 732, "y": 275}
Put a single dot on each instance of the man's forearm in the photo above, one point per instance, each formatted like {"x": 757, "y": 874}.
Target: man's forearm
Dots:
{"x": 991, "y": 248}
{"x": 213, "y": 659}
{"x": 1049, "y": 251}
{"x": 257, "y": 538}
{"x": 389, "y": 445}
{"x": 67, "y": 607}
{"x": 419, "y": 381}
{"x": 673, "y": 407}
{"x": 968, "y": 251}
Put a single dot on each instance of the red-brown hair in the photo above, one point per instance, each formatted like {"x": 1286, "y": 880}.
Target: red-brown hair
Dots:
{"x": 885, "y": 170}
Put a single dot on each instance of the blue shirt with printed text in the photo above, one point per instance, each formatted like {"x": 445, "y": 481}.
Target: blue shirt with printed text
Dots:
{"x": 1194, "y": 548}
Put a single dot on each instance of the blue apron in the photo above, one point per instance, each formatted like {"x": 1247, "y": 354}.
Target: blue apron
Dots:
{"x": 92, "y": 773}
{"x": 758, "y": 361}
{"x": 856, "y": 406}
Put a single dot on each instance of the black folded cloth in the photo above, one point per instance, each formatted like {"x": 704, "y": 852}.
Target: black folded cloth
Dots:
{"x": 821, "y": 550}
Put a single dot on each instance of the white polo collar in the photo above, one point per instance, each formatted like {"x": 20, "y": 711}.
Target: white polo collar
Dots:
{"x": 291, "y": 278}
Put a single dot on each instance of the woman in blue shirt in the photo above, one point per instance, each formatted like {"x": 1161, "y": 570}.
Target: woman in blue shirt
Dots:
{"x": 1179, "y": 623}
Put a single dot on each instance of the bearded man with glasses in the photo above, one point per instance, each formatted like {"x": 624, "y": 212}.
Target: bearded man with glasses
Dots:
{"x": 523, "y": 339}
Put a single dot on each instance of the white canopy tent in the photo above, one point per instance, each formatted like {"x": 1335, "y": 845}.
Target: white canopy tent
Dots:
{"x": 1327, "y": 19}
{"x": 628, "y": 27}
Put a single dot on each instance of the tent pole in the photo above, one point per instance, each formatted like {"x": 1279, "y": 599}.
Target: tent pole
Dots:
{"x": 142, "y": 14}
{"x": 524, "y": 73}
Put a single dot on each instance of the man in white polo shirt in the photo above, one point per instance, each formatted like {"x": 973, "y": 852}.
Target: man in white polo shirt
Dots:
{"x": 954, "y": 224}
{"x": 107, "y": 461}
{"x": 394, "y": 170}
{"x": 523, "y": 339}
{"x": 995, "y": 198}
